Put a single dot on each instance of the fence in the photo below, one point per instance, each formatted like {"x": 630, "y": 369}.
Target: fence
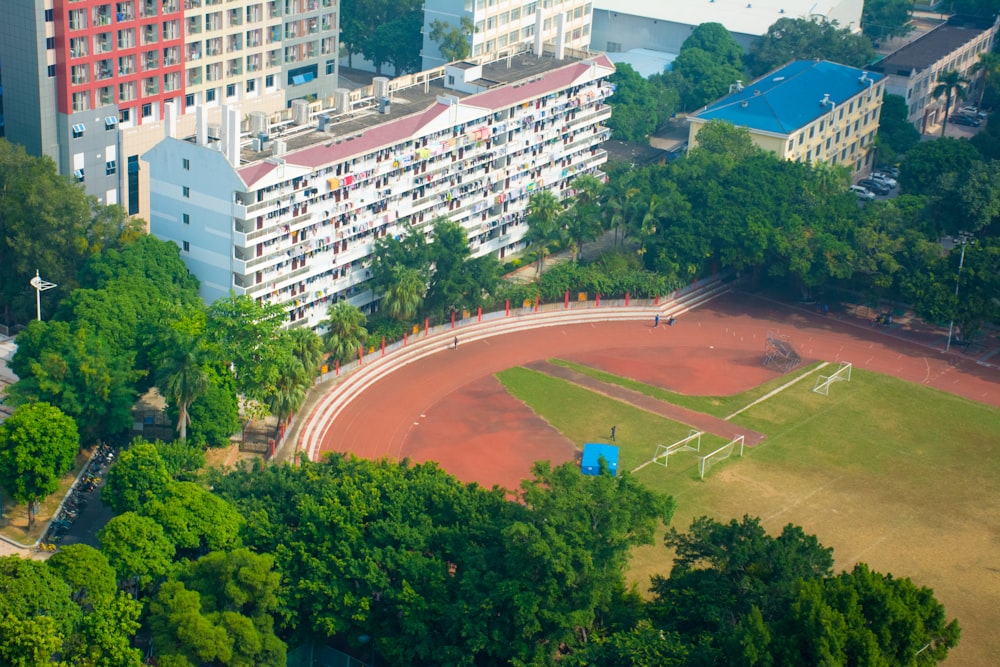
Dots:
{"x": 312, "y": 655}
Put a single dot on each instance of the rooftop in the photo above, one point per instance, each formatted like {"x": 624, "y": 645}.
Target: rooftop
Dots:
{"x": 932, "y": 47}
{"x": 749, "y": 17}
{"x": 790, "y": 97}
{"x": 365, "y": 129}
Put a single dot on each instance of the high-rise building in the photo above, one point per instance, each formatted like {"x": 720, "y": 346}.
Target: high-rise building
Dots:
{"x": 87, "y": 82}
{"x": 291, "y": 218}
{"x": 502, "y": 24}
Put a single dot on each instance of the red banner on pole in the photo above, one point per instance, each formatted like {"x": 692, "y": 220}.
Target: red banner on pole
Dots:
{"x": 383, "y": 346}
{"x": 336, "y": 367}
{"x": 404, "y": 339}
{"x": 536, "y": 303}
{"x": 506, "y": 308}
{"x": 361, "y": 355}
{"x": 453, "y": 319}
{"x": 480, "y": 314}
{"x": 656, "y": 300}
{"x": 566, "y": 300}
{"x": 597, "y": 302}
{"x": 626, "y": 298}
{"x": 427, "y": 326}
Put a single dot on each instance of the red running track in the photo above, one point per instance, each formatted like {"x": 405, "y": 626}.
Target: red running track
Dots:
{"x": 449, "y": 408}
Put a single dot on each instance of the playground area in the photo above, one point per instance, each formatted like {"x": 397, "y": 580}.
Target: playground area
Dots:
{"x": 452, "y": 409}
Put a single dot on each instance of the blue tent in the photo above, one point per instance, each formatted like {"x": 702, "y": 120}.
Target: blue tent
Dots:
{"x": 592, "y": 453}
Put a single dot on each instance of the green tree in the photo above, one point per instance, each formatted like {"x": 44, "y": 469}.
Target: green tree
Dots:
{"x": 988, "y": 67}
{"x": 884, "y": 19}
{"x": 245, "y": 334}
{"x": 72, "y": 367}
{"x": 345, "y": 330}
{"x": 139, "y": 475}
{"x": 709, "y": 63}
{"x": 454, "y": 42}
{"x": 404, "y": 296}
{"x": 137, "y": 549}
{"x": 307, "y": 347}
{"x": 214, "y": 415}
{"x": 583, "y": 218}
{"x": 635, "y": 116}
{"x": 37, "y": 446}
{"x": 194, "y": 520}
{"x": 182, "y": 377}
{"x": 896, "y": 134}
{"x": 36, "y": 612}
{"x": 952, "y": 85}
{"x": 930, "y": 167}
{"x": 806, "y": 39}
{"x": 544, "y": 228}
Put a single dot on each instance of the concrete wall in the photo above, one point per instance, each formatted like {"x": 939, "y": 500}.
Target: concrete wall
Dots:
{"x": 625, "y": 32}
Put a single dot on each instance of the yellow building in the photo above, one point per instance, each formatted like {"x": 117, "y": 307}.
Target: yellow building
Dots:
{"x": 808, "y": 110}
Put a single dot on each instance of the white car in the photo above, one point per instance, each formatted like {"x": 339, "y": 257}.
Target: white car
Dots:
{"x": 862, "y": 193}
{"x": 885, "y": 178}
{"x": 972, "y": 111}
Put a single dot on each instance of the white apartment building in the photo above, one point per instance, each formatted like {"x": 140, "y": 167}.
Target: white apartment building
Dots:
{"x": 505, "y": 23}
{"x": 296, "y": 225}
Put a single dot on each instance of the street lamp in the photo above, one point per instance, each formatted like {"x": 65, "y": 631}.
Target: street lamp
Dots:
{"x": 964, "y": 239}
{"x": 40, "y": 286}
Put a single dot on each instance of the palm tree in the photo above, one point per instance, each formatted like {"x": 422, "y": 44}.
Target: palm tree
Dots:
{"x": 951, "y": 84}
{"x": 307, "y": 347}
{"x": 989, "y": 66}
{"x": 405, "y": 294}
{"x": 345, "y": 330}
{"x": 543, "y": 223}
{"x": 289, "y": 391}
{"x": 583, "y": 220}
{"x": 181, "y": 377}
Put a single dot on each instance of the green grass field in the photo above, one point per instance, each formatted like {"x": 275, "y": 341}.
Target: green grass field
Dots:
{"x": 900, "y": 476}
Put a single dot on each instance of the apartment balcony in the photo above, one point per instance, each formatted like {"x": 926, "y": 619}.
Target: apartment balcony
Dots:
{"x": 194, "y": 77}
{"x": 235, "y": 17}
{"x": 194, "y": 52}
{"x": 193, "y": 25}
{"x": 103, "y": 69}
{"x": 124, "y": 11}
{"x": 103, "y": 44}
{"x": 102, "y": 16}
{"x": 150, "y": 61}
{"x": 171, "y": 6}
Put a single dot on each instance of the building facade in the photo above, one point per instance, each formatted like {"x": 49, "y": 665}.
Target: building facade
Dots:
{"x": 624, "y": 25}
{"x": 505, "y": 23}
{"x": 912, "y": 71}
{"x": 808, "y": 111}
{"x": 87, "y": 82}
{"x": 296, "y": 226}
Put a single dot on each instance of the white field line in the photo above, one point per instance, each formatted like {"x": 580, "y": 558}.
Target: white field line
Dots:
{"x": 779, "y": 389}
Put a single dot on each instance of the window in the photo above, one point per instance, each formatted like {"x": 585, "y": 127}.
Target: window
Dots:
{"x": 188, "y": 101}
{"x": 110, "y": 168}
{"x": 210, "y": 95}
{"x": 147, "y": 110}
{"x": 186, "y": 163}
{"x": 50, "y": 42}
{"x": 78, "y": 130}
{"x": 186, "y": 246}
{"x": 79, "y": 175}
{"x": 124, "y": 115}
{"x": 52, "y": 71}
{"x": 269, "y": 80}
{"x": 231, "y": 90}
{"x": 330, "y": 66}
{"x": 133, "y": 185}
{"x": 251, "y": 85}
{"x": 186, "y": 191}
{"x": 49, "y": 16}
{"x": 186, "y": 218}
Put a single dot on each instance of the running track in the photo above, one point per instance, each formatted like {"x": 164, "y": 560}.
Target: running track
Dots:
{"x": 449, "y": 408}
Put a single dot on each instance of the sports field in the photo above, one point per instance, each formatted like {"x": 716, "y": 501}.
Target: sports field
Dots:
{"x": 901, "y": 476}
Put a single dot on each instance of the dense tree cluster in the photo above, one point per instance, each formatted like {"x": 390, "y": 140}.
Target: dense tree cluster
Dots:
{"x": 383, "y": 32}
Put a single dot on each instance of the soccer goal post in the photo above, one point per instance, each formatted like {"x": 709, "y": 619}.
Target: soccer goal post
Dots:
{"x": 721, "y": 454}
{"x": 842, "y": 374}
{"x": 692, "y": 443}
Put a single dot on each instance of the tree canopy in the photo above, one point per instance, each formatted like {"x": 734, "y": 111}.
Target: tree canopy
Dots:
{"x": 805, "y": 39}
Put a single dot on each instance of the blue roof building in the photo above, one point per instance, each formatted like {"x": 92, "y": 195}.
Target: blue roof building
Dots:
{"x": 811, "y": 110}
{"x": 593, "y": 452}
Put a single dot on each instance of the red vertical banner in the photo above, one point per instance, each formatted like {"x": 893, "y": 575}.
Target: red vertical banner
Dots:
{"x": 626, "y": 299}
{"x": 536, "y": 303}
{"x": 695, "y": 283}
{"x": 506, "y": 308}
{"x": 566, "y": 300}
{"x": 597, "y": 302}
{"x": 383, "y": 346}
{"x": 453, "y": 319}
{"x": 479, "y": 315}
{"x": 404, "y": 339}
{"x": 361, "y": 355}
{"x": 336, "y": 367}
{"x": 656, "y": 300}
{"x": 427, "y": 326}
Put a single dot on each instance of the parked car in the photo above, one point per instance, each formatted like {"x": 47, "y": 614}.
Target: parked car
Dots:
{"x": 878, "y": 187}
{"x": 885, "y": 178}
{"x": 972, "y": 111}
{"x": 862, "y": 193}
{"x": 962, "y": 119}
{"x": 888, "y": 169}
